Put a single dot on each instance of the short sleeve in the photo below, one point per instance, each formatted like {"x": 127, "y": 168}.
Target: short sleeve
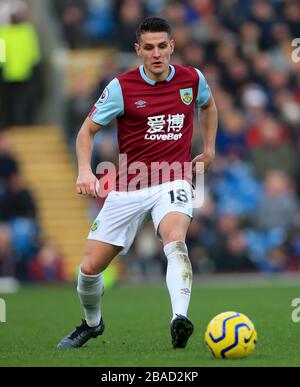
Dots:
{"x": 110, "y": 104}
{"x": 203, "y": 90}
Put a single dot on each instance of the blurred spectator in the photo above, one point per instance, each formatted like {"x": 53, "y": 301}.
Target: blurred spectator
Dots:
{"x": 254, "y": 101}
{"x": 105, "y": 148}
{"x": 78, "y": 104}
{"x": 175, "y": 12}
{"x": 199, "y": 238}
{"x": 233, "y": 12}
{"x": 8, "y": 164}
{"x": 261, "y": 63}
{"x": 236, "y": 189}
{"x": 182, "y": 36}
{"x": 250, "y": 35}
{"x": 264, "y": 16}
{"x": 276, "y": 80}
{"x": 99, "y": 24}
{"x": 72, "y": 14}
{"x": 18, "y": 210}
{"x": 73, "y": 17}
{"x": 193, "y": 54}
{"x": 26, "y": 241}
{"x": 273, "y": 224}
{"x": 224, "y": 100}
{"x": 147, "y": 253}
{"x": 129, "y": 15}
{"x": 231, "y": 137}
{"x": 272, "y": 148}
{"x": 294, "y": 244}
{"x": 209, "y": 32}
{"x": 155, "y": 7}
{"x": 7, "y": 259}
{"x": 278, "y": 205}
{"x": 237, "y": 75}
{"x": 281, "y": 53}
{"x": 195, "y": 9}
{"x": 288, "y": 107}
{"x": 225, "y": 52}
{"x": 278, "y": 260}
{"x": 292, "y": 16}
{"x": 47, "y": 266}
{"x": 17, "y": 201}
{"x": 19, "y": 73}
{"x": 230, "y": 253}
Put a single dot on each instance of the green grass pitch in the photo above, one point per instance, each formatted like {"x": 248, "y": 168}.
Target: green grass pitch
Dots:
{"x": 137, "y": 325}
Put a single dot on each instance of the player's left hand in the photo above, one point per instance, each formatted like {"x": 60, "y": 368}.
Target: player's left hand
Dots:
{"x": 206, "y": 158}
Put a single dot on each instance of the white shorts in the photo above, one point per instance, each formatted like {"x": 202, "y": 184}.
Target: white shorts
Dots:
{"x": 123, "y": 213}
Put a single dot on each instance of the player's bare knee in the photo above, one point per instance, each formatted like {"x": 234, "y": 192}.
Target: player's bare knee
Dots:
{"x": 91, "y": 266}
{"x": 173, "y": 236}
{"x": 89, "y": 270}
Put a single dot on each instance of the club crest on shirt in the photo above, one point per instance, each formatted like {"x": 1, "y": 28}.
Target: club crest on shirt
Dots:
{"x": 186, "y": 95}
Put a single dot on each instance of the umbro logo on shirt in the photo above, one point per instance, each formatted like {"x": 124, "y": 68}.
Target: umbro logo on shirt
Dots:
{"x": 140, "y": 104}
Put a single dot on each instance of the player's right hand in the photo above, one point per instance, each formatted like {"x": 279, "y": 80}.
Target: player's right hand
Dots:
{"x": 87, "y": 184}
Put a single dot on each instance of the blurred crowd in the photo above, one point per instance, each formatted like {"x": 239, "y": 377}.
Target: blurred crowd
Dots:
{"x": 250, "y": 220}
{"x": 24, "y": 254}
{"x": 20, "y": 65}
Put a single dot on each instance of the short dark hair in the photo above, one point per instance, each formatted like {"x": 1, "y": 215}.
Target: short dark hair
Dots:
{"x": 153, "y": 24}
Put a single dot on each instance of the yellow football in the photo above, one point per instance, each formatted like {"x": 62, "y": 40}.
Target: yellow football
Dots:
{"x": 230, "y": 335}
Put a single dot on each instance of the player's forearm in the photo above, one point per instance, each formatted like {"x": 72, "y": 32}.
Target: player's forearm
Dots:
{"x": 210, "y": 123}
{"x": 84, "y": 147}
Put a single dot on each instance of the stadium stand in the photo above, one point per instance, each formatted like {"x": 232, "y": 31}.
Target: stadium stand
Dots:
{"x": 49, "y": 170}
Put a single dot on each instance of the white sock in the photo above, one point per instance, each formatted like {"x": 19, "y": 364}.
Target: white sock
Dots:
{"x": 179, "y": 277}
{"x": 90, "y": 288}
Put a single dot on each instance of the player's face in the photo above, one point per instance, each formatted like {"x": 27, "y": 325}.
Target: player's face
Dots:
{"x": 155, "y": 50}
